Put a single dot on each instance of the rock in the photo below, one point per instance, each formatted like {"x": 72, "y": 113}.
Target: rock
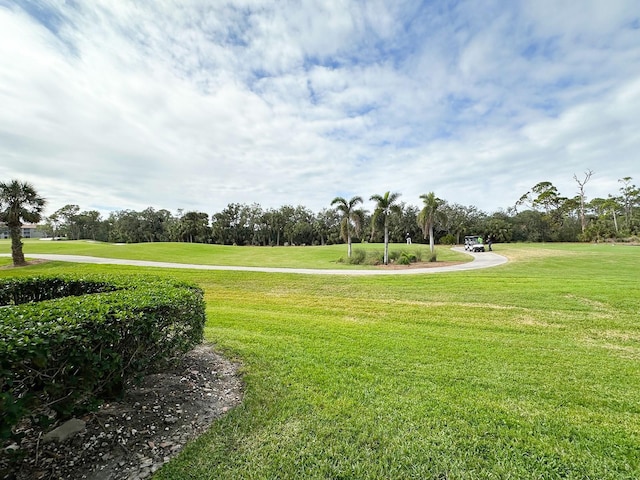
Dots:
{"x": 12, "y": 448}
{"x": 65, "y": 431}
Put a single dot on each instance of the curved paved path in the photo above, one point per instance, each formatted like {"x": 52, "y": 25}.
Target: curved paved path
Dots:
{"x": 480, "y": 260}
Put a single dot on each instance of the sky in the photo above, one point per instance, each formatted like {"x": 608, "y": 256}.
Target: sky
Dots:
{"x": 194, "y": 104}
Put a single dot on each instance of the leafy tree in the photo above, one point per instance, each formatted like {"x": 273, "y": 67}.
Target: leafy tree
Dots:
{"x": 403, "y": 224}
{"x": 126, "y": 227}
{"x": 544, "y": 196}
{"x": 385, "y": 206}
{"x": 301, "y": 224}
{"x": 429, "y": 215}
{"x": 173, "y": 226}
{"x": 286, "y": 216}
{"x": 234, "y": 225}
{"x": 19, "y": 202}
{"x": 90, "y": 225}
{"x": 194, "y": 227}
{"x": 567, "y": 220}
{"x": 630, "y": 198}
{"x": 326, "y": 226}
{"x": 271, "y": 226}
{"x": 529, "y": 226}
{"x": 602, "y": 219}
{"x": 51, "y": 225}
{"x": 155, "y": 225}
{"x": 352, "y": 218}
{"x": 63, "y": 222}
{"x": 460, "y": 220}
{"x": 129, "y": 226}
{"x": 254, "y": 214}
{"x": 499, "y": 227}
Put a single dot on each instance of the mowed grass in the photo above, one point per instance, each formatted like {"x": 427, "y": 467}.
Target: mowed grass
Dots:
{"x": 326, "y": 257}
{"x": 527, "y": 370}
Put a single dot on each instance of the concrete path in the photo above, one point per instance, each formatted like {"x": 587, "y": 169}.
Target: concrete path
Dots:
{"x": 480, "y": 260}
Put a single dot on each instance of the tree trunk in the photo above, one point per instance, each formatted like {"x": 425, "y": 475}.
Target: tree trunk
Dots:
{"x": 16, "y": 246}
{"x": 386, "y": 245}
{"x": 349, "y": 246}
{"x": 431, "y": 240}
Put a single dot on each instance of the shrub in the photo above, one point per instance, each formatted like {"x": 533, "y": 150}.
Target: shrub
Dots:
{"x": 633, "y": 239}
{"x": 375, "y": 257}
{"x": 68, "y": 341}
{"x": 448, "y": 239}
{"x": 406, "y": 258}
{"x": 358, "y": 256}
{"x": 38, "y": 289}
{"x": 394, "y": 255}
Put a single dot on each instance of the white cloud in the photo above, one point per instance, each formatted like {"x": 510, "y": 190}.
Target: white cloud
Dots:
{"x": 118, "y": 105}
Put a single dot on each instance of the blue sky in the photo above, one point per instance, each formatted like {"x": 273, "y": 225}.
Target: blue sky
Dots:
{"x": 197, "y": 104}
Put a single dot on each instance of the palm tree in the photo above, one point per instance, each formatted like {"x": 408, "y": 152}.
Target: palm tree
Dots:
{"x": 19, "y": 201}
{"x": 385, "y": 205}
{"x": 352, "y": 219}
{"x": 429, "y": 215}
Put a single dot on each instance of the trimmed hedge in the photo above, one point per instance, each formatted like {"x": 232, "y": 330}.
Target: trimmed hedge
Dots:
{"x": 67, "y": 341}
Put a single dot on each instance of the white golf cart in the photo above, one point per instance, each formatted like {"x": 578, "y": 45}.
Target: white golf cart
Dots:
{"x": 473, "y": 243}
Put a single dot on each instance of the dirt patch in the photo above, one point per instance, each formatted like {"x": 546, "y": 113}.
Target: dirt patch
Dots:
{"x": 30, "y": 262}
{"x": 132, "y": 438}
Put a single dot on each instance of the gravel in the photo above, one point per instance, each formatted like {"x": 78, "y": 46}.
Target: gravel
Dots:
{"x": 132, "y": 438}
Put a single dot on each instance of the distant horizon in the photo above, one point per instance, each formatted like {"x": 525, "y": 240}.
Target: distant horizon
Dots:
{"x": 366, "y": 200}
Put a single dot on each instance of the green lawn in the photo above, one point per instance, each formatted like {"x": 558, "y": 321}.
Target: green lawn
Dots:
{"x": 289, "y": 257}
{"x": 527, "y": 370}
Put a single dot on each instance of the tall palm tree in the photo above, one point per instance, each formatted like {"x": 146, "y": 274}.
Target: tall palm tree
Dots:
{"x": 429, "y": 215}
{"x": 352, "y": 218}
{"x": 385, "y": 206}
{"x": 19, "y": 201}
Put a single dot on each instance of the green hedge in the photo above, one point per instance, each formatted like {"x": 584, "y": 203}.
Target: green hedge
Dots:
{"x": 37, "y": 289}
{"x": 67, "y": 341}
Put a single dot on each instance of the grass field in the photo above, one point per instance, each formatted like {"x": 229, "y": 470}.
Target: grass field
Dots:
{"x": 289, "y": 257}
{"x": 527, "y": 370}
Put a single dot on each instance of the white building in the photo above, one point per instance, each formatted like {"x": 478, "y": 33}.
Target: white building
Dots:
{"x": 29, "y": 230}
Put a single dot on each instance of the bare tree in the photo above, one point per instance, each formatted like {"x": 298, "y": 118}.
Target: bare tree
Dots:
{"x": 581, "y": 184}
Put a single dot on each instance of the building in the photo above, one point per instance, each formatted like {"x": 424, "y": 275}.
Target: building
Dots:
{"x": 29, "y": 230}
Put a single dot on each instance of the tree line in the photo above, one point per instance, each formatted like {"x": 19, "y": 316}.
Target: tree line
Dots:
{"x": 250, "y": 224}
{"x": 541, "y": 214}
